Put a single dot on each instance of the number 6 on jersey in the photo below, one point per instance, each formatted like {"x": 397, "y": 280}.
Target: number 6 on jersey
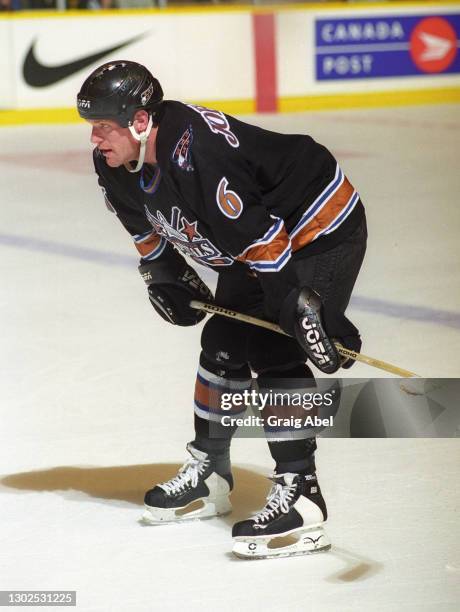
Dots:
{"x": 228, "y": 201}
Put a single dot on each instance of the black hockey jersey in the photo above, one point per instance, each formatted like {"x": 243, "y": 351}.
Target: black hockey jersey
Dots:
{"x": 224, "y": 191}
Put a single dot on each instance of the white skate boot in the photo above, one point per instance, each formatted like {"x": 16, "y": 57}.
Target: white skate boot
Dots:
{"x": 196, "y": 492}
{"x": 295, "y": 511}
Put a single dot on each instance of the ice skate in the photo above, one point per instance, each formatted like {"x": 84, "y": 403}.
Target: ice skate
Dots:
{"x": 295, "y": 511}
{"x": 197, "y": 492}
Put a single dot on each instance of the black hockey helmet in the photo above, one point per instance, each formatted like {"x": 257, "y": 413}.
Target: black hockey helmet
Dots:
{"x": 116, "y": 90}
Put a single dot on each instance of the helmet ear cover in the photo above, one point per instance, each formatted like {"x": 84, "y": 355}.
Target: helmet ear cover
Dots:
{"x": 117, "y": 90}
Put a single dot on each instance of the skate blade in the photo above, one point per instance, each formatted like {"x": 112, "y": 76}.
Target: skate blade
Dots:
{"x": 147, "y": 519}
{"x": 307, "y": 543}
{"x": 206, "y": 510}
{"x": 280, "y": 555}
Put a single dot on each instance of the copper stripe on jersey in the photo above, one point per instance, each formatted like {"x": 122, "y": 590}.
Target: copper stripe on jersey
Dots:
{"x": 324, "y": 217}
{"x": 149, "y": 244}
{"x": 267, "y": 253}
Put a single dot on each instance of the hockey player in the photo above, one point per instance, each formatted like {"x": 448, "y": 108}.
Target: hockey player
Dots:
{"x": 275, "y": 216}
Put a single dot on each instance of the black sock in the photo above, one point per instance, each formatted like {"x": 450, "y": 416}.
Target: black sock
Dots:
{"x": 218, "y": 449}
{"x": 295, "y": 456}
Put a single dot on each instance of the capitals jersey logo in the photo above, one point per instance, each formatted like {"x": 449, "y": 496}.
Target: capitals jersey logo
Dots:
{"x": 186, "y": 237}
{"x": 182, "y": 151}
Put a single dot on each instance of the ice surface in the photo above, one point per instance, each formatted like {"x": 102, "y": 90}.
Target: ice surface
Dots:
{"x": 95, "y": 391}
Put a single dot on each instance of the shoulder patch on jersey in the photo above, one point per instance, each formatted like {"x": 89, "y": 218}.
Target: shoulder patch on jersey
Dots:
{"x": 182, "y": 151}
{"x": 217, "y": 123}
{"x": 228, "y": 201}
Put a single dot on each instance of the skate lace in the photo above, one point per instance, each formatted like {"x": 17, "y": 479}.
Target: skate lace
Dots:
{"x": 188, "y": 475}
{"x": 277, "y": 501}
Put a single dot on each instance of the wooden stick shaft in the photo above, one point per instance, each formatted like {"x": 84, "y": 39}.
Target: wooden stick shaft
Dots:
{"x": 376, "y": 363}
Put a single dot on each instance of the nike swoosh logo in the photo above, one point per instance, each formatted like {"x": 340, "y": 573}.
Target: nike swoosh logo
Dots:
{"x": 37, "y": 74}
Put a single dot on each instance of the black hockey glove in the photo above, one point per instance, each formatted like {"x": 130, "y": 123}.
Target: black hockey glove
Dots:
{"x": 300, "y": 317}
{"x": 171, "y": 288}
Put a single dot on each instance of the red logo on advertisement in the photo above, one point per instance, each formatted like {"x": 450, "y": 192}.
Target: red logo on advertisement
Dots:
{"x": 433, "y": 44}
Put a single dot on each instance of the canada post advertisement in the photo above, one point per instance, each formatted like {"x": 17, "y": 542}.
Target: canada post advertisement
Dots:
{"x": 387, "y": 46}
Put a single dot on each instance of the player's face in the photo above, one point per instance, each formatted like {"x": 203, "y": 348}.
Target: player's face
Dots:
{"x": 115, "y": 143}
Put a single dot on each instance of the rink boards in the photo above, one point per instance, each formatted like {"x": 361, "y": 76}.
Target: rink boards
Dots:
{"x": 241, "y": 59}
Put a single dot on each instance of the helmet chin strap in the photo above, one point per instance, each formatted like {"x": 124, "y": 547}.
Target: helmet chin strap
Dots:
{"x": 142, "y": 138}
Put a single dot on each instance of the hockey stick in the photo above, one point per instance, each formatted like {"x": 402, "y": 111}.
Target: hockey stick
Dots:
{"x": 375, "y": 363}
